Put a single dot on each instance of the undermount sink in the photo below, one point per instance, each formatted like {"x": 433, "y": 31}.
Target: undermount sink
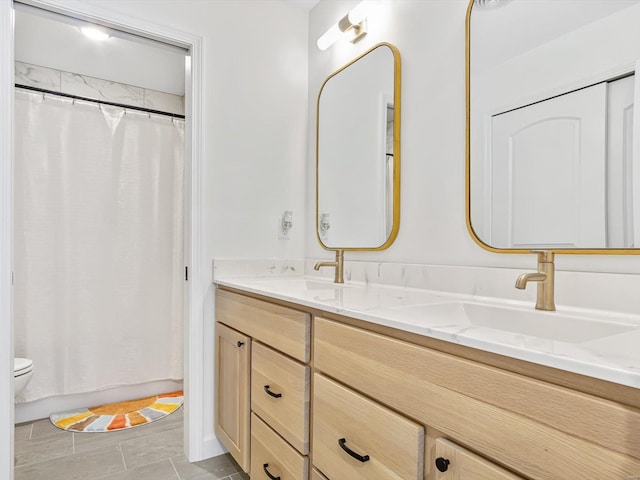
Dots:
{"x": 546, "y": 325}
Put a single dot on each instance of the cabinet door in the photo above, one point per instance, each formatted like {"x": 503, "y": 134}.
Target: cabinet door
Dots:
{"x": 233, "y": 363}
{"x": 455, "y": 463}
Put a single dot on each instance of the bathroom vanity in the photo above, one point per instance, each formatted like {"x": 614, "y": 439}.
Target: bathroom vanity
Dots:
{"x": 314, "y": 383}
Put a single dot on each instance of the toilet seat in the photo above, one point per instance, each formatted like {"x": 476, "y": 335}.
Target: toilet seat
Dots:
{"x": 22, "y": 366}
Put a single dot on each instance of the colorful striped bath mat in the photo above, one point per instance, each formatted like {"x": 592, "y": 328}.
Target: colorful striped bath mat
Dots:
{"x": 118, "y": 416}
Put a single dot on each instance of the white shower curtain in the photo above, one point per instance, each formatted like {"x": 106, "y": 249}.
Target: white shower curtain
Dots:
{"x": 98, "y": 256}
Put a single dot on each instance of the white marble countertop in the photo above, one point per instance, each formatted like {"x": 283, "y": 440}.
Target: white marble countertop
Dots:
{"x": 594, "y": 343}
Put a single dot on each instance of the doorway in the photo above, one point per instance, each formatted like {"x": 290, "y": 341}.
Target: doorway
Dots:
{"x": 193, "y": 324}
{"x": 98, "y": 214}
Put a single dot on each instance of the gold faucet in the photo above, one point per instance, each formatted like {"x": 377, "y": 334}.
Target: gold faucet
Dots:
{"x": 338, "y": 264}
{"x": 545, "y": 278}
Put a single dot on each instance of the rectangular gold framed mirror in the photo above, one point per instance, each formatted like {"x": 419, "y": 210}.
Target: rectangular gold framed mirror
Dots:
{"x": 553, "y": 152}
{"x": 358, "y": 153}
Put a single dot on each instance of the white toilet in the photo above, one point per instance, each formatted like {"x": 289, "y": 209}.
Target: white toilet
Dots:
{"x": 22, "y": 372}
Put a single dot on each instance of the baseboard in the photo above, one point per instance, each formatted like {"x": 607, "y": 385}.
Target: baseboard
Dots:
{"x": 29, "y": 411}
{"x": 211, "y": 448}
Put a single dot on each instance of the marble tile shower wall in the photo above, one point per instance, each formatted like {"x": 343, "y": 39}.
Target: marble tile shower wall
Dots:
{"x": 84, "y": 86}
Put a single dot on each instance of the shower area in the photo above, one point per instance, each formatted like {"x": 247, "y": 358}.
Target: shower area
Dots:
{"x": 99, "y": 269}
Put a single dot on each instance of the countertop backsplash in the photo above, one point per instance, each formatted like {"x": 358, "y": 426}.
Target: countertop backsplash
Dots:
{"x": 612, "y": 292}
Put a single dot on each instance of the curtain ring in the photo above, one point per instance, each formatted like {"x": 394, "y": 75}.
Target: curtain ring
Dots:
{"x": 149, "y": 115}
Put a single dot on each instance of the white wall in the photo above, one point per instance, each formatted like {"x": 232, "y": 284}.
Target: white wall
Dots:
{"x": 431, "y": 38}
{"x": 554, "y": 67}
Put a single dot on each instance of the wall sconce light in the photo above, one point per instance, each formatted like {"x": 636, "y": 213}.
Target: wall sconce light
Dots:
{"x": 353, "y": 23}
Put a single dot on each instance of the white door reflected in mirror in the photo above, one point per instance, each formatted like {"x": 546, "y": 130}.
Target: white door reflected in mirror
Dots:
{"x": 552, "y": 87}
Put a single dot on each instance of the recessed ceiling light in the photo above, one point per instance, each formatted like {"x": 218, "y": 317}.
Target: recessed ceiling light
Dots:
{"x": 94, "y": 33}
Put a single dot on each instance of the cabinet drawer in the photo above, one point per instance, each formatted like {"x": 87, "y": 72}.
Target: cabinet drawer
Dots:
{"x": 390, "y": 446}
{"x": 280, "y": 327}
{"x": 280, "y": 395}
{"x": 271, "y": 455}
{"x": 456, "y": 463}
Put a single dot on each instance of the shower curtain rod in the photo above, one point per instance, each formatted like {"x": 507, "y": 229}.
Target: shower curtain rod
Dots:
{"x": 100, "y": 102}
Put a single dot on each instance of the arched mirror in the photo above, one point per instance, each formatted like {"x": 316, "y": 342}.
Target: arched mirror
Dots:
{"x": 358, "y": 153}
{"x": 553, "y": 159}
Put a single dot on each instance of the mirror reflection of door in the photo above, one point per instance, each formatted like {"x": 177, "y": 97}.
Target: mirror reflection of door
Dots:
{"x": 557, "y": 69}
{"x": 620, "y": 198}
{"x": 387, "y": 166}
{"x": 548, "y": 173}
{"x": 561, "y": 172}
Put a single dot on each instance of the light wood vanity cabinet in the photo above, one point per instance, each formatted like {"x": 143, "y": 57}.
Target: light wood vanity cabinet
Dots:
{"x": 266, "y": 391}
{"x": 417, "y": 412}
{"x": 535, "y": 429}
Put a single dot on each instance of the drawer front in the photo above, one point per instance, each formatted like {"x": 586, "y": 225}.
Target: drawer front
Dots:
{"x": 390, "y": 446}
{"x": 280, "y": 327}
{"x": 271, "y": 455}
{"x": 280, "y": 395}
{"x": 456, "y": 463}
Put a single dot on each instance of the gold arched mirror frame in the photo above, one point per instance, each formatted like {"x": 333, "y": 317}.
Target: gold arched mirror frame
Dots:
{"x": 395, "y": 176}
{"x": 468, "y": 169}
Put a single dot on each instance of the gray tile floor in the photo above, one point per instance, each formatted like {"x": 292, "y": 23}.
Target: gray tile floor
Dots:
{"x": 149, "y": 452}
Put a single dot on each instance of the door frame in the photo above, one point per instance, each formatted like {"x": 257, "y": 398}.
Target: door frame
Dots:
{"x": 194, "y": 291}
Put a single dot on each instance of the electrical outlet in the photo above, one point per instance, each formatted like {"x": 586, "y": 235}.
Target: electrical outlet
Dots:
{"x": 283, "y": 234}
